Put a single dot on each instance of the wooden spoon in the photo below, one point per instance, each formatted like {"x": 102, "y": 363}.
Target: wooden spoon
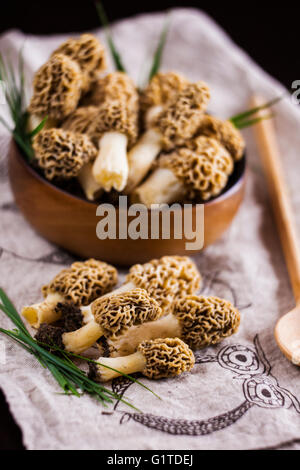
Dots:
{"x": 287, "y": 331}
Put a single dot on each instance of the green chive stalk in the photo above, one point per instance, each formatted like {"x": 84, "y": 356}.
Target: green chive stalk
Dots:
{"x": 14, "y": 92}
{"x": 112, "y": 47}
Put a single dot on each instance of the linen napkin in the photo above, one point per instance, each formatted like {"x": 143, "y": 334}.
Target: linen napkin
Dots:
{"x": 243, "y": 393}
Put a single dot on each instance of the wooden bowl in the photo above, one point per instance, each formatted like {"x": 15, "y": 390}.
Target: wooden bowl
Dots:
{"x": 70, "y": 221}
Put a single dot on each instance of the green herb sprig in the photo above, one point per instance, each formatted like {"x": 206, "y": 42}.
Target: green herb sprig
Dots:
{"x": 14, "y": 92}
{"x": 160, "y": 48}
{"x": 71, "y": 379}
{"x": 112, "y": 47}
{"x": 246, "y": 119}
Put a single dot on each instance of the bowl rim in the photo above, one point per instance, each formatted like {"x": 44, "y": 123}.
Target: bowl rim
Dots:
{"x": 224, "y": 195}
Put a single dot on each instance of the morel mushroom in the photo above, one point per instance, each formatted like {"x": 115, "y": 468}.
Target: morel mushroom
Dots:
{"x": 111, "y": 317}
{"x": 199, "y": 173}
{"x": 114, "y": 129}
{"x": 89, "y": 54}
{"x": 225, "y": 133}
{"x": 163, "y": 279}
{"x": 79, "y": 121}
{"x": 62, "y": 154}
{"x": 112, "y": 87}
{"x": 176, "y": 124}
{"x": 156, "y": 359}
{"x": 199, "y": 321}
{"x": 81, "y": 284}
{"x": 161, "y": 91}
{"x": 56, "y": 88}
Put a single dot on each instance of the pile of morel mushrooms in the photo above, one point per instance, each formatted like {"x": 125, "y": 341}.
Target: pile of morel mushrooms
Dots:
{"x": 157, "y": 145}
{"x": 151, "y": 324}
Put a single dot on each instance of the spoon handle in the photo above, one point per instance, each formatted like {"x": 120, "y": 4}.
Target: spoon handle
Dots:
{"x": 279, "y": 195}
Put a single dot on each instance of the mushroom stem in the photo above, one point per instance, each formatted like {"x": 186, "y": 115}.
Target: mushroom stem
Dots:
{"x": 91, "y": 188}
{"x": 110, "y": 168}
{"x": 155, "y": 359}
{"x": 165, "y": 327}
{"x": 141, "y": 157}
{"x": 135, "y": 362}
{"x": 197, "y": 320}
{"x": 111, "y": 316}
{"x": 83, "y": 338}
{"x": 152, "y": 114}
{"x": 43, "y": 312}
{"x": 162, "y": 187}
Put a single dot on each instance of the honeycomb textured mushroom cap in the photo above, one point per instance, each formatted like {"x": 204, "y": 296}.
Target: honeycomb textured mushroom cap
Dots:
{"x": 81, "y": 119}
{"x": 89, "y": 54}
{"x": 83, "y": 282}
{"x": 56, "y": 88}
{"x": 205, "y": 320}
{"x": 204, "y": 170}
{"x": 166, "y": 278}
{"x": 167, "y": 357}
{"x": 162, "y": 89}
{"x": 114, "y": 116}
{"x": 61, "y": 154}
{"x": 225, "y": 133}
{"x": 117, "y": 313}
{"x": 180, "y": 120}
{"x": 114, "y": 86}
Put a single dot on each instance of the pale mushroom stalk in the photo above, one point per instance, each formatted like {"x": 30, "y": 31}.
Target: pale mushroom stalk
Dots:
{"x": 82, "y": 339}
{"x": 173, "y": 126}
{"x": 110, "y": 316}
{"x": 155, "y": 359}
{"x": 127, "y": 364}
{"x": 201, "y": 169}
{"x": 43, "y": 312}
{"x": 162, "y": 187}
{"x": 199, "y": 321}
{"x": 152, "y": 114}
{"x": 115, "y": 129}
{"x": 80, "y": 284}
{"x": 141, "y": 157}
{"x": 110, "y": 169}
{"x": 90, "y": 187}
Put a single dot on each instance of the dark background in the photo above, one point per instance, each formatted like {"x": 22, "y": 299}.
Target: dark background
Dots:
{"x": 269, "y": 33}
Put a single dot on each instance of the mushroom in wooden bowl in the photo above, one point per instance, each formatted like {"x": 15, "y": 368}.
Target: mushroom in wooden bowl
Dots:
{"x": 64, "y": 172}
